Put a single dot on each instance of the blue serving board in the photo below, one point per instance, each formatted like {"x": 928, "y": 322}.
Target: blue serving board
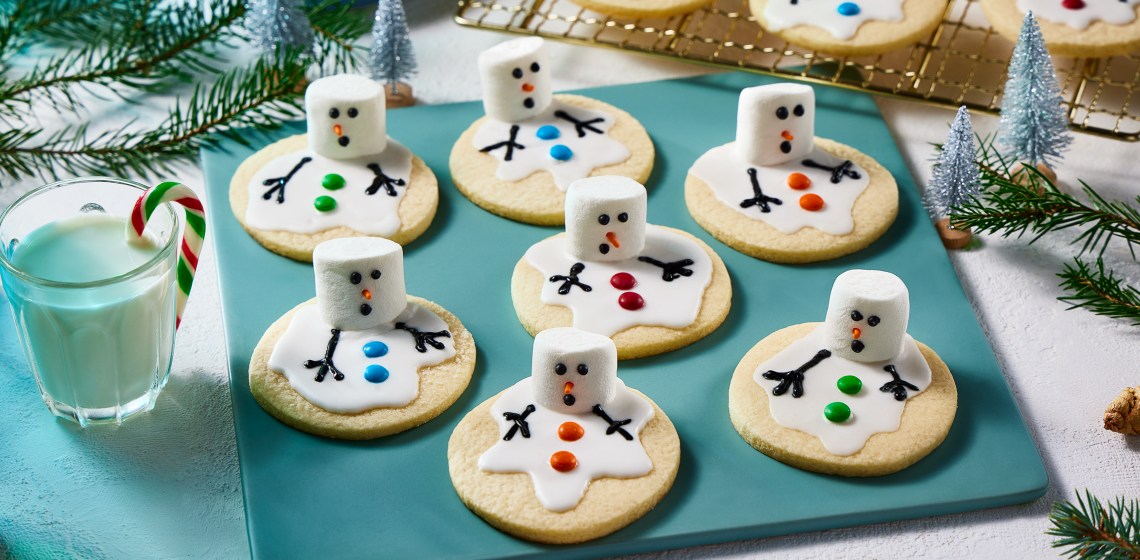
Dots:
{"x": 307, "y": 496}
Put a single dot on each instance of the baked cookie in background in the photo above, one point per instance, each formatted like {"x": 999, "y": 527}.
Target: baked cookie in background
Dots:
{"x": 519, "y": 159}
{"x": 344, "y": 178}
{"x": 643, "y": 8}
{"x": 850, "y": 27}
{"x": 568, "y": 454}
{"x": 1078, "y": 28}
{"x": 852, "y": 396}
{"x": 780, "y": 194}
{"x": 652, "y": 289}
{"x": 363, "y": 359}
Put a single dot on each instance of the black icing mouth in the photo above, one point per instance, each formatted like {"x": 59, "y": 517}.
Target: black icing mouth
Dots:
{"x": 857, "y": 346}
{"x": 568, "y": 399}
{"x": 343, "y": 141}
{"x": 603, "y": 248}
{"x": 366, "y": 309}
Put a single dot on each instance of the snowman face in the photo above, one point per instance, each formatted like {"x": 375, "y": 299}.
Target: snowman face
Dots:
{"x": 345, "y": 115}
{"x": 516, "y": 80}
{"x": 360, "y": 282}
{"x": 572, "y": 370}
{"x": 775, "y": 123}
{"x": 605, "y": 218}
{"x": 867, "y": 315}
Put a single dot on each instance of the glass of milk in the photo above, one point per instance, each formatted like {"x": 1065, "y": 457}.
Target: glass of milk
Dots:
{"x": 95, "y": 314}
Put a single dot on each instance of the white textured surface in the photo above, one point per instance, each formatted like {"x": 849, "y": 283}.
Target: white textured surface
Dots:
{"x": 1063, "y": 366}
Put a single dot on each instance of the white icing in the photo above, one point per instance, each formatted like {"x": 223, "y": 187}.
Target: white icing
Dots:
{"x": 674, "y": 304}
{"x": 727, "y": 174}
{"x": 783, "y": 14}
{"x": 1115, "y": 12}
{"x": 308, "y": 335}
{"x": 589, "y": 152}
{"x": 375, "y": 214}
{"x": 872, "y": 411}
{"x": 599, "y": 455}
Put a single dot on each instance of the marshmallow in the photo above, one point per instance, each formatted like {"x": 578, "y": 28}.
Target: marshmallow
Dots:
{"x": 605, "y": 218}
{"x": 775, "y": 124}
{"x": 360, "y": 282}
{"x": 573, "y": 370}
{"x": 345, "y": 114}
{"x": 867, "y": 316}
{"x": 516, "y": 80}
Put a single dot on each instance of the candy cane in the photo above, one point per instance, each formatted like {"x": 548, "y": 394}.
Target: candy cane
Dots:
{"x": 192, "y": 234}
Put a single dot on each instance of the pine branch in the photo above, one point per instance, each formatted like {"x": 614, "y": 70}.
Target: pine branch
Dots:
{"x": 336, "y": 27}
{"x": 1089, "y": 530}
{"x": 1098, "y": 290}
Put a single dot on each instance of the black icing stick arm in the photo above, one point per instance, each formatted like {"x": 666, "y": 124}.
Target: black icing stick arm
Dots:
{"x": 571, "y": 280}
{"x": 615, "y": 425}
{"x": 278, "y": 183}
{"x": 424, "y": 339}
{"x": 896, "y": 386}
{"x": 670, "y": 271}
{"x": 795, "y": 379}
{"x": 510, "y": 144}
{"x": 382, "y": 181}
{"x": 325, "y": 364}
{"x": 580, "y": 126}
{"x": 838, "y": 172}
{"x": 758, "y": 197}
{"x": 519, "y": 420}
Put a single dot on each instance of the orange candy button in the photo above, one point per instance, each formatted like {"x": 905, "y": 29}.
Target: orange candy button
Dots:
{"x": 570, "y": 431}
{"x": 563, "y": 461}
{"x": 798, "y": 181}
{"x": 811, "y": 202}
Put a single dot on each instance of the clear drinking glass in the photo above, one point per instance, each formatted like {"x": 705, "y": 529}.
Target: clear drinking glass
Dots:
{"x": 100, "y": 350}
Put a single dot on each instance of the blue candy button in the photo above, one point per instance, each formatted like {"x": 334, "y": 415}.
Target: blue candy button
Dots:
{"x": 376, "y": 374}
{"x": 548, "y": 132}
{"x": 849, "y": 9}
{"x": 375, "y": 349}
{"x": 561, "y": 152}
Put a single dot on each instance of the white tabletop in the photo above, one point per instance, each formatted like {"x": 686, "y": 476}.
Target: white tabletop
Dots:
{"x": 1063, "y": 366}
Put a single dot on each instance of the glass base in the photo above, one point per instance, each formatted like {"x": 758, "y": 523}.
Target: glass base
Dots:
{"x": 102, "y": 416}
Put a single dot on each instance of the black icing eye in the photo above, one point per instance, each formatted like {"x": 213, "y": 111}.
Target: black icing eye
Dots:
{"x": 560, "y": 369}
{"x": 798, "y": 111}
{"x": 534, "y": 67}
{"x": 873, "y": 320}
{"x": 355, "y": 277}
{"x": 375, "y": 274}
{"x": 623, "y": 217}
{"x": 334, "y": 113}
{"x": 352, "y": 112}
{"x": 782, "y": 113}
{"x": 517, "y": 73}
{"x": 856, "y": 316}
{"x": 604, "y": 219}
{"x": 582, "y": 369}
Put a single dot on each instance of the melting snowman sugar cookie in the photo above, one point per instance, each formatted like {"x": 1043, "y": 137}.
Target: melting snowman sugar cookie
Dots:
{"x": 520, "y": 158}
{"x": 363, "y": 359}
{"x": 854, "y": 395}
{"x": 1078, "y": 28}
{"x": 780, "y": 193}
{"x": 652, "y": 289}
{"x": 568, "y": 454}
{"x": 850, "y": 27}
{"x": 344, "y": 178}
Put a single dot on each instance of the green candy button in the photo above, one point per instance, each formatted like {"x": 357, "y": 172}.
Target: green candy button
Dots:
{"x": 837, "y": 412}
{"x": 324, "y": 203}
{"x": 849, "y": 384}
{"x": 332, "y": 182}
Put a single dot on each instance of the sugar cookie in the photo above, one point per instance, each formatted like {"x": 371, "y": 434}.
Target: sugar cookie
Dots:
{"x": 850, "y": 27}
{"x": 1096, "y": 28}
{"x": 643, "y": 8}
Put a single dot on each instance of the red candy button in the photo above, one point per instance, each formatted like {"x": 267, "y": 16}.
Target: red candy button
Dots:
{"x": 798, "y": 181}
{"x": 623, "y": 281}
{"x": 811, "y": 202}
{"x": 631, "y": 301}
{"x": 563, "y": 461}
{"x": 570, "y": 431}
{"x": 1074, "y": 4}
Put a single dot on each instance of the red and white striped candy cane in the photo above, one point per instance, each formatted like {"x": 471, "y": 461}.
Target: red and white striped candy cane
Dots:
{"x": 192, "y": 234}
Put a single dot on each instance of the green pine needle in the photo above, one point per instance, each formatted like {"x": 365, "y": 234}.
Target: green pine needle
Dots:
{"x": 1097, "y": 289}
{"x": 1087, "y": 529}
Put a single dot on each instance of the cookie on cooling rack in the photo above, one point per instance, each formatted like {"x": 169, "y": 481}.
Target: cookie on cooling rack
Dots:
{"x": 850, "y": 27}
{"x": 1079, "y": 28}
{"x": 643, "y": 8}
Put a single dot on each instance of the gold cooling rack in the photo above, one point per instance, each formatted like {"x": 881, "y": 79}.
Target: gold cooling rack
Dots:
{"x": 963, "y": 62}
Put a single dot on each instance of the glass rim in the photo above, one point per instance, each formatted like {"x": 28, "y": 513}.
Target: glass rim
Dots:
{"x": 167, "y": 247}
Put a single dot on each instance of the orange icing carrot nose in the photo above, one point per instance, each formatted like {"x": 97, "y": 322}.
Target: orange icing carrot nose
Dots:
{"x": 613, "y": 239}
{"x": 855, "y": 333}
{"x": 337, "y": 129}
{"x": 787, "y": 135}
{"x": 528, "y": 88}
{"x": 368, "y": 295}
{"x": 569, "y": 386}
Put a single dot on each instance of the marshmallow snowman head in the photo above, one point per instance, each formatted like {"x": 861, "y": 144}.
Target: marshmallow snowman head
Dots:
{"x": 775, "y": 124}
{"x": 516, "y": 80}
{"x": 572, "y": 370}
{"x": 360, "y": 282}
{"x": 345, "y": 114}
{"x": 605, "y": 218}
{"x": 867, "y": 316}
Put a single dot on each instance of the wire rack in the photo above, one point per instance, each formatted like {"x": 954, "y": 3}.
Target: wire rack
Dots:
{"x": 962, "y": 62}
